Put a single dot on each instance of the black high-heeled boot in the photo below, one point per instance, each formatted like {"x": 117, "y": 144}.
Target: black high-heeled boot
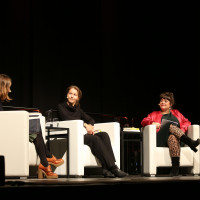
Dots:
{"x": 191, "y": 143}
{"x": 175, "y": 166}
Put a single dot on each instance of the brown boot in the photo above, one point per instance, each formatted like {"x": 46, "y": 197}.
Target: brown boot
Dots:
{"x": 54, "y": 161}
{"x": 46, "y": 171}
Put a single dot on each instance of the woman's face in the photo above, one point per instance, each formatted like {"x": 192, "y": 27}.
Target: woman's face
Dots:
{"x": 164, "y": 104}
{"x": 72, "y": 96}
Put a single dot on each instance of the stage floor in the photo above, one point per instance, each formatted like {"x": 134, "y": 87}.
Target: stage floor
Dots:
{"x": 77, "y": 186}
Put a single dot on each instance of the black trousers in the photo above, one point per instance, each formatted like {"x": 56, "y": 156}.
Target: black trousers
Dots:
{"x": 100, "y": 146}
{"x": 41, "y": 149}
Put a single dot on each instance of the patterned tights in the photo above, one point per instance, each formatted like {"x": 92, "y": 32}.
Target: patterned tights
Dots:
{"x": 174, "y": 141}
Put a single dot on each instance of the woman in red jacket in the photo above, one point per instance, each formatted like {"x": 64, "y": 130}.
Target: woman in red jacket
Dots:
{"x": 171, "y": 127}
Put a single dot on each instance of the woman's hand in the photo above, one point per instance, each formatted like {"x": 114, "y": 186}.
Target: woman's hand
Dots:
{"x": 89, "y": 128}
{"x": 157, "y": 124}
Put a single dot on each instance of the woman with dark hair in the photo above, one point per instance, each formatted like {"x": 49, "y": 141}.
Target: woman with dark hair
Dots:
{"x": 35, "y": 135}
{"x": 172, "y": 132}
{"x": 99, "y": 142}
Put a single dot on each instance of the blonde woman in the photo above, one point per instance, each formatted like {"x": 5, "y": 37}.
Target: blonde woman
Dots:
{"x": 99, "y": 143}
{"x": 46, "y": 158}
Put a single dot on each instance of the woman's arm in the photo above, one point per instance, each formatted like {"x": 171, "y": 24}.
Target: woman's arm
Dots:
{"x": 89, "y": 128}
{"x": 87, "y": 118}
{"x": 153, "y": 118}
{"x": 147, "y": 120}
{"x": 184, "y": 122}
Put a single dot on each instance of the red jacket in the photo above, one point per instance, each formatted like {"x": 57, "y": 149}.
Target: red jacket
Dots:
{"x": 156, "y": 116}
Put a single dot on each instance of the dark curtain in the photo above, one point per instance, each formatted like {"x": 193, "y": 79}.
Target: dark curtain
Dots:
{"x": 122, "y": 54}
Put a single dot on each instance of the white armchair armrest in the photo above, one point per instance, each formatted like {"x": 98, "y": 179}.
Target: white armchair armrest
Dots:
{"x": 194, "y": 133}
{"x": 34, "y": 159}
{"x": 113, "y": 130}
{"x": 14, "y": 142}
{"x": 76, "y": 147}
{"x": 149, "y": 149}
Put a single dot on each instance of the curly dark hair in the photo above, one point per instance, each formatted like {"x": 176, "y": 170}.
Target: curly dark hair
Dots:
{"x": 169, "y": 96}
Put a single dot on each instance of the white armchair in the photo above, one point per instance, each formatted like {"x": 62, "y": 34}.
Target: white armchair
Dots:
{"x": 80, "y": 155}
{"x": 154, "y": 157}
{"x": 18, "y": 152}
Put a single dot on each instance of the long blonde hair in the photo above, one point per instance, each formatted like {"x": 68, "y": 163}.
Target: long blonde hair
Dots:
{"x": 79, "y": 93}
{"x": 5, "y": 84}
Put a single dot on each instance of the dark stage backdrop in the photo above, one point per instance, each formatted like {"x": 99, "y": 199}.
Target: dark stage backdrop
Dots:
{"x": 122, "y": 54}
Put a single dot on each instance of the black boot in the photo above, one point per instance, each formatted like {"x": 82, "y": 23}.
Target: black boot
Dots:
{"x": 191, "y": 143}
{"x": 107, "y": 174}
{"x": 117, "y": 172}
{"x": 175, "y": 166}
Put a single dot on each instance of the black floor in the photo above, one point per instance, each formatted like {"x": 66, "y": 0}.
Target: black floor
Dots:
{"x": 131, "y": 185}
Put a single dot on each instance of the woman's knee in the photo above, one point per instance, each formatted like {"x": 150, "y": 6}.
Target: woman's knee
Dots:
{"x": 91, "y": 139}
{"x": 176, "y": 131}
{"x": 172, "y": 128}
{"x": 104, "y": 134}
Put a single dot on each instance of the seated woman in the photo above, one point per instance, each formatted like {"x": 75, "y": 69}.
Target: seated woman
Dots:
{"x": 99, "y": 142}
{"x": 35, "y": 134}
{"x": 173, "y": 132}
